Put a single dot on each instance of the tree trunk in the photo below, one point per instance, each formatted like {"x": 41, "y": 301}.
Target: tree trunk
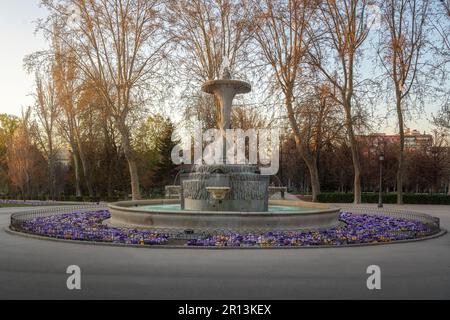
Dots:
{"x": 135, "y": 192}
{"x": 28, "y": 190}
{"x": 357, "y": 180}
{"x": 131, "y": 159}
{"x": 84, "y": 163}
{"x": 310, "y": 162}
{"x": 76, "y": 163}
{"x": 355, "y": 155}
{"x": 401, "y": 154}
{"x": 51, "y": 167}
{"x": 314, "y": 176}
{"x": 86, "y": 170}
{"x": 109, "y": 158}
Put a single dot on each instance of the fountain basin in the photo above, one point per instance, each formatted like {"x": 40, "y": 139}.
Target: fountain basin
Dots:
{"x": 283, "y": 215}
{"x": 246, "y": 189}
{"x": 235, "y": 86}
{"x": 218, "y": 193}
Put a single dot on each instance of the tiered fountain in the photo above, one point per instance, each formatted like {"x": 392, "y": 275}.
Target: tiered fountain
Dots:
{"x": 232, "y": 197}
{"x": 225, "y": 187}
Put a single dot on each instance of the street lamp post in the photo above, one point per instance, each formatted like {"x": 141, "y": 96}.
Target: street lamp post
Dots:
{"x": 434, "y": 152}
{"x": 380, "y": 197}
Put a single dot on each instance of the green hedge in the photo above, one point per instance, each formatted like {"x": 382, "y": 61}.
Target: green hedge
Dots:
{"x": 408, "y": 198}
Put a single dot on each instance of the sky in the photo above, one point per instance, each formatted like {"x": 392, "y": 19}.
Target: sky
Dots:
{"x": 18, "y": 39}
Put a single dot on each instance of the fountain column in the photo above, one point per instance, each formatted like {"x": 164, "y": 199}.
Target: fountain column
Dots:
{"x": 224, "y": 90}
{"x": 225, "y": 97}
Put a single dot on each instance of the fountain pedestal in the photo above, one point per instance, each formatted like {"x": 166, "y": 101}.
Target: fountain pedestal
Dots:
{"x": 247, "y": 188}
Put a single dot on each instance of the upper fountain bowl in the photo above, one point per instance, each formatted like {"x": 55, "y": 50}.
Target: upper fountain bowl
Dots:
{"x": 238, "y": 86}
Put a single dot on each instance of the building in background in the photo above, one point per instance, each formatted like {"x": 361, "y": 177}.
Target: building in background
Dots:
{"x": 414, "y": 140}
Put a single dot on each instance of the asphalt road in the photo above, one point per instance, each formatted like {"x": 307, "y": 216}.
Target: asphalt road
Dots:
{"x": 36, "y": 269}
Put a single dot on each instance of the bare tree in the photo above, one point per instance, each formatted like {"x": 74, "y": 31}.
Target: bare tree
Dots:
{"x": 342, "y": 32}
{"x": 442, "y": 123}
{"x": 439, "y": 162}
{"x": 281, "y": 32}
{"x": 446, "y": 6}
{"x": 8, "y": 125}
{"x": 67, "y": 86}
{"x": 442, "y": 118}
{"x": 204, "y": 32}
{"x": 320, "y": 118}
{"x": 46, "y": 111}
{"x": 20, "y": 158}
{"x": 207, "y": 31}
{"x": 401, "y": 50}
{"x": 440, "y": 20}
{"x": 119, "y": 47}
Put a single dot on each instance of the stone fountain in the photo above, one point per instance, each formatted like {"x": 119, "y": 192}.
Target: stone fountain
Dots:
{"x": 223, "y": 196}
{"x": 225, "y": 187}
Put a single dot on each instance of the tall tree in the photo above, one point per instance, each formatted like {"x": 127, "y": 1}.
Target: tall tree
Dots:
{"x": 67, "y": 86}
{"x": 46, "y": 110}
{"x": 281, "y": 30}
{"x": 165, "y": 169}
{"x": 8, "y": 125}
{"x": 342, "y": 32}
{"x": 204, "y": 32}
{"x": 401, "y": 51}
{"x": 154, "y": 146}
{"x": 119, "y": 48}
{"x": 21, "y": 156}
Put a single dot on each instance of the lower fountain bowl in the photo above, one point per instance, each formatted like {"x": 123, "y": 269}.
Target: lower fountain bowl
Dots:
{"x": 283, "y": 215}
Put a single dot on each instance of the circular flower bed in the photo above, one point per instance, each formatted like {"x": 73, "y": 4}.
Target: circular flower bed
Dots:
{"x": 356, "y": 229}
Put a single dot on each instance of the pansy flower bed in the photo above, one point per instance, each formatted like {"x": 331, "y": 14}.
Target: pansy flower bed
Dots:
{"x": 88, "y": 226}
{"x": 355, "y": 229}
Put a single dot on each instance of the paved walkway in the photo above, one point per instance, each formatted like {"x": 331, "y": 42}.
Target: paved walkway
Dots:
{"x": 31, "y": 268}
